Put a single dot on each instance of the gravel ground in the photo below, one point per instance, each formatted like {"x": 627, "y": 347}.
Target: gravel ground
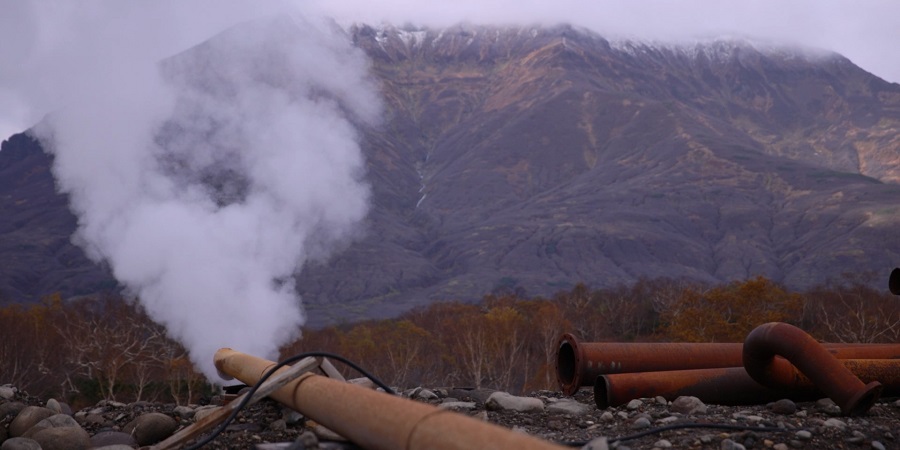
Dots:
{"x": 572, "y": 421}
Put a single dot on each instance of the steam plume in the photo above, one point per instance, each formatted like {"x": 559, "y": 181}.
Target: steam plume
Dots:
{"x": 207, "y": 180}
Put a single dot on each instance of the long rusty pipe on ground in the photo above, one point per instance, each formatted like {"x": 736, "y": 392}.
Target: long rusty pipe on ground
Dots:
{"x": 732, "y": 385}
{"x": 770, "y": 340}
{"x": 580, "y": 363}
{"x": 376, "y": 420}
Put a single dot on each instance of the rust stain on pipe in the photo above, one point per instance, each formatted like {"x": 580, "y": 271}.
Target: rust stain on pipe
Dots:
{"x": 732, "y": 385}
{"x": 580, "y": 363}
{"x": 375, "y": 420}
{"x": 767, "y": 341}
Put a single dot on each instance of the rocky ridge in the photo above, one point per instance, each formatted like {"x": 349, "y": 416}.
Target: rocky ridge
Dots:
{"x": 534, "y": 158}
{"x": 31, "y": 423}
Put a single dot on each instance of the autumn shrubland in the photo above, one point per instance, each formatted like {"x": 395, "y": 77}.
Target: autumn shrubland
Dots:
{"x": 106, "y": 347}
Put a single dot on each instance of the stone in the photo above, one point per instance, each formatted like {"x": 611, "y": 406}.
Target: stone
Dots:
{"x": 780, "y": 446}
{"x": 688, "y": 405}
{"x": 641, "y": 423}
{"x": 63, "y": 438}
{"x": 878, "y": 445}
{"x": 150, "y": 428}
{"x": 569, "y": 406}
{"x": 185, "y": 412}
{"x": 661, "y": 400}
{"x": 10, "y": 409}
{"x": 27, "y": 418}
{"x": 54, "y": 421}
{"x": 827, "y": 406}
{"x": 836, "y": 423}
{"x": 425, "y": 394}
{"x": 728, "y": 444}
{"x": 503, "y": 401}
{"x": 20, "y": 443}
{"x": 307, "y": 439}
{"x": 7, "y": 392}
{"x": 803, "y": 435}
{"x": 278, "y": 425}
{"x": 662, "y": 443}
{"x": 784, "y": 407}
{"x": 54, "y": 406}
{"x": 607, "y": 417}
{"x": 112, "y": 438}
{"x": 600, "y": 443}
{"x": 114, "y": 447}
{"x": 634, "y": 404}
{"x": 457, "y": 406}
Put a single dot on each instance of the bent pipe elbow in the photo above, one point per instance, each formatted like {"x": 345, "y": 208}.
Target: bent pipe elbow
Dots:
{"x": 811, "y": 359}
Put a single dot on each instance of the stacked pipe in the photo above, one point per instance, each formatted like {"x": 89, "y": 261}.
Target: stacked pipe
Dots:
{"x": 776, "y": 361}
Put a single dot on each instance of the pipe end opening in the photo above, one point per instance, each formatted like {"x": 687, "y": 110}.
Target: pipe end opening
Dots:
{"x": 863, "y": 400}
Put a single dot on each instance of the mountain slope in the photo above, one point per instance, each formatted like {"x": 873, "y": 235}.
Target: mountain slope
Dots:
{"x": 535, "y": 158}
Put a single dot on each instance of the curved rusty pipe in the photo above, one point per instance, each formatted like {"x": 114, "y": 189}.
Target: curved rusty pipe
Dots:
{"x": 580, "y": 363}
{"x": 773, "y": 339}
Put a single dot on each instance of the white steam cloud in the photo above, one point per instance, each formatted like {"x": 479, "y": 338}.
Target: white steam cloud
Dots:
{"x": 206, "y": 180}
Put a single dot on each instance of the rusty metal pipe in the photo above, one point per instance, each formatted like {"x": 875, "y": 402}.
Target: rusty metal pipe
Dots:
{"x": 732, "y": 385}
{"x": 894, "y": 281}
{"x": 375, "y": 420}
{"x": 773, "y": 339}
{"x": 721, "y": 386}
{"x": 580, "y": 363}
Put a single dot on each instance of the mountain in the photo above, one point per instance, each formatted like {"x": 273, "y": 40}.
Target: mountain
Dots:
{"x": 534, "y": 158}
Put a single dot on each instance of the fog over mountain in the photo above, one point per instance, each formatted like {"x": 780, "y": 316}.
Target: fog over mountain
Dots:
{"x": 533, "y": 158}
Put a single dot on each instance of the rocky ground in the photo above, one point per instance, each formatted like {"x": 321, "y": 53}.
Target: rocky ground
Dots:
{"x": 31, "y": 423}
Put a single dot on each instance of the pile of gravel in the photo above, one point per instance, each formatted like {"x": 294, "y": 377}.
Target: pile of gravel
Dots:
{"x": 31, "y": 423}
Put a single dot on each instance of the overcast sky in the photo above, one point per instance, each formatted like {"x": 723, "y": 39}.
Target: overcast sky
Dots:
{"x": 43, "y": 41}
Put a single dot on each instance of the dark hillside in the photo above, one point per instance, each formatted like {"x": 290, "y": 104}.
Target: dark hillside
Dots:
{"x": 535, "y": 158}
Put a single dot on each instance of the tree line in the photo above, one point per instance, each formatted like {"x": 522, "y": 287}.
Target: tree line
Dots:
{"x": 107, "y": 347}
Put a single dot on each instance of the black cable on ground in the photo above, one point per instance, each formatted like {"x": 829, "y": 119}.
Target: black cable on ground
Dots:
{"x": 719, "y": 426}
{"x": 215, "y": 433}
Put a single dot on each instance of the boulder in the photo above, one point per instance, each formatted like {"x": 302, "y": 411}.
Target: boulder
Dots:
{"x": 27, "y": 418}
{"x": 151, "y": 428}
{"x": 503, "y": 401}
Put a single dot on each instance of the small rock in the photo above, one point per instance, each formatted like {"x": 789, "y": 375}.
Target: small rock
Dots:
{"x": 20, "y": 443}
{"x": 278, "y": 425}
{"x": 426, "y": 394}
{"x": 502, "y": 401}
{"x": 599, "y": 443}
{"x": 622, "y": 414}
{"x": 688, "y": 405}
{"x": 634, "y": 404}
{"x": 10, "y": 409}
{"x": 185, "y": 412}
{"x": 877, "y": 445}
{"x": 803, "y": 435}
{"x": 115, "y": 447}
{"x": 836, "y": 423}
{"x": 457, "y": 406}
{"x": 641, "y": 423}
{"x": 728, "y": 444}
{"x": 569, "y": 406}
{"x": 827, "y": 406}
{"x": 661, "y": 400}
{"x": 27, "y": 418}
{"x": 150, "y": 428}
{"x": 307, "y": 439}
{"x": 7, "y": 392}
{"x": 784, "y": 407}
{"x": 54, "y": 406}
{"x": 111, "y": 438}
{"x": 667, "y": 420}
{"x": 63, "y": 438}
{"x": 662, "y": 443}
{"x": 606, "y": 417}
{"x": 780, "y": 446}
{"x": 290, "y": 416}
